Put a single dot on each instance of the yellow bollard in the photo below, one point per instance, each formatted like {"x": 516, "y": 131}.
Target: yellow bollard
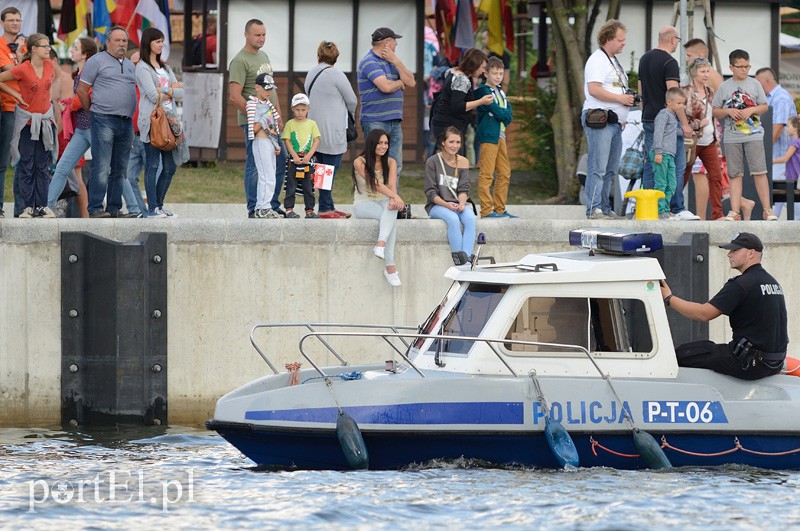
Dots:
{"x": 646, "y": 202}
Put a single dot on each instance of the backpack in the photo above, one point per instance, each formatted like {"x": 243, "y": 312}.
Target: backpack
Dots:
{"x": 438, "y": 99}
{"x": 197, "y": 50}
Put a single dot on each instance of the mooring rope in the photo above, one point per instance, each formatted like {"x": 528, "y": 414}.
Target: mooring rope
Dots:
{"x": 346, "y": 376}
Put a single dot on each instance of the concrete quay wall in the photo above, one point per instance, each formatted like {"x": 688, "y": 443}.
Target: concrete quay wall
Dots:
{"x": 225, "y": 275}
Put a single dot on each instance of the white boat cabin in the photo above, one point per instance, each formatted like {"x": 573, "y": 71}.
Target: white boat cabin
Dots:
{"x": 548, "y": 312}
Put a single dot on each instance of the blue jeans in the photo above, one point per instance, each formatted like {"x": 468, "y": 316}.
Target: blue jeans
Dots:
{"x": 157, "y": 185}
{"x": 6, "y": 132}
{"x": 459, "y": 241}
{"x": 605, "y": 148}
{"x": 111, "y": 138}
{"x": 325, "y": 196}
{"x": 135, "y": 167}
{"x": 280, "y": 176}
{"x": 395, "y": 130}
{"x": 81, "y": 141}
{"x": 250, "y": 174}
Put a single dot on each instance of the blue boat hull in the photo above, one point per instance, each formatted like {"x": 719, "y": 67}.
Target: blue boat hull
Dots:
{"x": 282, "y": 447}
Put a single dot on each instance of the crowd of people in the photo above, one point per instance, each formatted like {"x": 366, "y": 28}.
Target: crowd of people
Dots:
{"x": 115, "y": 96}
{"x": 704, "y": 128}
{"x": 284, "y": 155}
{"x": 47, "y": 138}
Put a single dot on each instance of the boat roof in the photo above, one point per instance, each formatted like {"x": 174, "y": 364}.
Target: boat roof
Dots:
{"x": 565, "y": 267}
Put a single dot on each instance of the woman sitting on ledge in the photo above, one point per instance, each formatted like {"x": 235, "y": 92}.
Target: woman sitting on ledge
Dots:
{"x": 447, "y": 190}
{"x": 375, "y": 196}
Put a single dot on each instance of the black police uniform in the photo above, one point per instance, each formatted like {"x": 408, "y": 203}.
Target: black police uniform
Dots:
{"x": 756, "y": 307}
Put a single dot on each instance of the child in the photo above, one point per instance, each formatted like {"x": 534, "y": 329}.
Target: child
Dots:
{"x": 301, "y": 137}
{"x": 791, "y": 159}
{"x": 266, "y": 145}
{"x": 740, "y": 101}
{"x": 662, "y": 153}
{"x": 492, "y": 122}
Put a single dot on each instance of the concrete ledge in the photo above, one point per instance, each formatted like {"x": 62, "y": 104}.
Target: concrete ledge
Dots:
{"x": 228, "y": 273}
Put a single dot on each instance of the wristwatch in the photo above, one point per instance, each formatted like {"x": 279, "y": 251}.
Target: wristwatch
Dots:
{"x": 667, "y": 299}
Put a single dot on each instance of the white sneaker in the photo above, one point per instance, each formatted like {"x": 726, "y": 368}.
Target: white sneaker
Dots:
{"x": 597, "y": 214}
{"x": 379, "y": 251}
{"x": 46, "y": 212}
{"x": 27, "y": 213}
{"x": 686, "y": 215}
{"x": 157, "y": 213}
{"x": 392, "y": 278}
{"x": 271, "y": 214}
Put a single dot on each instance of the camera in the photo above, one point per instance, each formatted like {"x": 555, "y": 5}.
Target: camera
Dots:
{"x": 637, "y": 99}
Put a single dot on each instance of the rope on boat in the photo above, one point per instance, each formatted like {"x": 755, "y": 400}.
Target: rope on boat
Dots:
{"x": 596, "y": 445}
{"x": 737, "y": 446}
{"x": 294, "y": 372}
{"x": 346, "y": 376}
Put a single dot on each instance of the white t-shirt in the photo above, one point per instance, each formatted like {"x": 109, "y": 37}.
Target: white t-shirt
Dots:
{"x": 611, "y": 76}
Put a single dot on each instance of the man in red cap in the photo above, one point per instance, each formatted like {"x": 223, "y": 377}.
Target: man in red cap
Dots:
{"x": 755, "y": 305}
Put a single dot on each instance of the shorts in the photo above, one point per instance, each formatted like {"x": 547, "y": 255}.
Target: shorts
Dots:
{"x": 753, "y": 151}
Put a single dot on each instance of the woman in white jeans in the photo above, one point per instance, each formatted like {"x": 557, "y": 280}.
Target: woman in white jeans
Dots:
{"x": 375, "y": 197}
{"x": 447, "y": 190}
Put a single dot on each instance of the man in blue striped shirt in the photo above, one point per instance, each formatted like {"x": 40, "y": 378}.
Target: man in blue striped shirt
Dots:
{"x": 382, "y": 77}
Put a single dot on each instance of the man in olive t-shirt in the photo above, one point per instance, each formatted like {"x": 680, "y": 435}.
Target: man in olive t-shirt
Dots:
{"x": 244, "y": 68}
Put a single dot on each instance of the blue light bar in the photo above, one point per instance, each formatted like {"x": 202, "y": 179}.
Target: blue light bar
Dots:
{"x": 615, "y": 241}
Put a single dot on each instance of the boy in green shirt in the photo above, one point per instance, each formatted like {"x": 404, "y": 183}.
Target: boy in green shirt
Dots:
{"x": 301, "y": 137}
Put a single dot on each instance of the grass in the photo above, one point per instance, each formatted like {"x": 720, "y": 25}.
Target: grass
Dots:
{"x": 222, "y": 182}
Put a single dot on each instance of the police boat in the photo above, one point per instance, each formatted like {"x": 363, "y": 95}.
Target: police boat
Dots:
{"x": 556, "y": 360}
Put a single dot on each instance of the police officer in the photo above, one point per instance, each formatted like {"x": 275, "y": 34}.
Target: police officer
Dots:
{"x": 755, "y": 305}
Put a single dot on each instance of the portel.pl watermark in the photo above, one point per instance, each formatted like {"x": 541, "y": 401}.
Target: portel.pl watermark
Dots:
{"x": 114, "y": 487}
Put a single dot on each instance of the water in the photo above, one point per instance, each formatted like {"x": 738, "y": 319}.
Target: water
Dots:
{"x": 189, "y": 478}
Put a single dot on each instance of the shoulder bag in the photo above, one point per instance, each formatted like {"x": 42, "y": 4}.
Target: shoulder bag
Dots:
{"x": 352, "y": 132}
{"x": 161, "y": 135}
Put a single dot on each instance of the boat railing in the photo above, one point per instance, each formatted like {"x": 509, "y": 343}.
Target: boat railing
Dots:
{"x": 414, "y": 336}
{"x": 313, "y": 327}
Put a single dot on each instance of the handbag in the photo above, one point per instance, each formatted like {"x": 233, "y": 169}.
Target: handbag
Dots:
{"x": 690, "y": 145}
{"x": 631, "y": 166}
{"x": 161, "y": 135}
{"x": 352, "y": 132}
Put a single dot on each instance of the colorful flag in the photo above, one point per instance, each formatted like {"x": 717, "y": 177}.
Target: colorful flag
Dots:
{"x": 494, "y": 10}
{"x": 155, "y": 14}
{"x": 466, "y": 24}
{"x": 126, "y": 17}
{"x": 73, "y": 20}
{"x": 445, "y": 13}
{"x": 102, "y": 18}
{"x": 508, "y": 25}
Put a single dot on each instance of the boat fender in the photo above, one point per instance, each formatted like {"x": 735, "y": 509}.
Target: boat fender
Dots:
{"x": 649, "y": 450}
{"x": 351, "y": 441}
{"x": 792, "y": 366}
{"x": 561, "y": 444}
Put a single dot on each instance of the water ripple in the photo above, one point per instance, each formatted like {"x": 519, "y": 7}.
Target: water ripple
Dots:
{"x": 193, "y": 479}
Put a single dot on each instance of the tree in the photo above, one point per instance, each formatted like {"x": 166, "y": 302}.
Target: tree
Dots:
{"x": 572, "y": 25}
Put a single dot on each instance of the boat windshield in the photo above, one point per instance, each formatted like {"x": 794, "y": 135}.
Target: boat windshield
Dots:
{"x": 469, "y": 316}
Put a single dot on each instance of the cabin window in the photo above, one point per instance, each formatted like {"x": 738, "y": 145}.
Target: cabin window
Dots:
{"x": 468, "y": 317}
{"x": 599, "y": 325}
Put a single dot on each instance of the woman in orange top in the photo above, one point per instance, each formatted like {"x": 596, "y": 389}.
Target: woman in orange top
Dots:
{"x": 34, "y": 116}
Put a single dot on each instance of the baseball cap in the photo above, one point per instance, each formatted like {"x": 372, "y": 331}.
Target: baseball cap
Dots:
{"x": 744, "y": 240}
{"x": 300, "y": 99}
{"x": 265, "y": 81}
{"x": 384, "y": 33}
